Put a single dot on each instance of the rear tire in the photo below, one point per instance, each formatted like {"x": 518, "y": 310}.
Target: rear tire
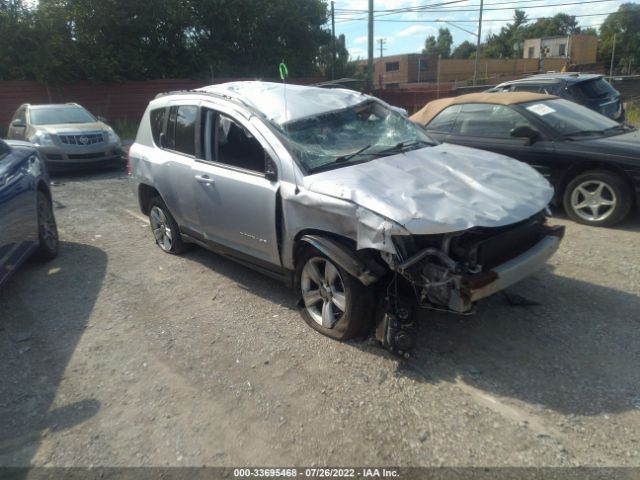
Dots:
{"x": 599, "y": 198}
{"x": 164, "y": 228}
{"x": 47, "y": 229}
{"x": 335, "y": 303}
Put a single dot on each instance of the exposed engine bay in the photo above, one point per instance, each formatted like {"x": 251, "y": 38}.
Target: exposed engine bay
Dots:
{"x": 450, "y": 272}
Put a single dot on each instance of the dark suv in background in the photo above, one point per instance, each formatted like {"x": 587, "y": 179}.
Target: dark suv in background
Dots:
{"x": 587, "y": 89}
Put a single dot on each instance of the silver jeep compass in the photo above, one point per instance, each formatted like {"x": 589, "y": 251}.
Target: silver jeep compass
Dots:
{"x": 341, "y": 196}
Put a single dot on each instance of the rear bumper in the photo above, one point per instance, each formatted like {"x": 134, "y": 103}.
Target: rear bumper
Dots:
{"x": 509, "y": 273}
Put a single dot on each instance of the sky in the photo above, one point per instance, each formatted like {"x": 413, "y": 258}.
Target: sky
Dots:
{"x": 406, "y": 32}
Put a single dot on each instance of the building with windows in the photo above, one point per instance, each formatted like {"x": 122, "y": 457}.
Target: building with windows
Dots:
{"x": 396, "y": 70}
{"x": 577, "y": 49}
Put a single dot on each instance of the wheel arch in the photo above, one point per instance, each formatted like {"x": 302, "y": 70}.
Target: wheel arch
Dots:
{"x": 361, "y": 264}
{"x": 146, "y": 193}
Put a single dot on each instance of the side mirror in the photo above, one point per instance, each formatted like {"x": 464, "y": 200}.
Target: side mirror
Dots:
{"x": 17, "y": 123}
{"x": 525, "y": 131}
{"x": 270, "y": 170}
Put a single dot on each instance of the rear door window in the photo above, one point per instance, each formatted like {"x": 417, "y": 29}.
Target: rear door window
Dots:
{"x": 181, "y": 129}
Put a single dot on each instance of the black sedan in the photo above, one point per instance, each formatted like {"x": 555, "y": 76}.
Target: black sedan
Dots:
{"x": 592, "y": 161}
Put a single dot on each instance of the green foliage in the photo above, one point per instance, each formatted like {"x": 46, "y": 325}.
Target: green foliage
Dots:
{"x": 465, "y": 50}
{"x": 58, "y": 41}
{"x": 625, "y": 24}
{"x": 509, "y": 42}
{"x": 439, "y": 46}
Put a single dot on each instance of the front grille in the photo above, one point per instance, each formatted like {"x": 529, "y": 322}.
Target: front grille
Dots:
{"x": 82, "y": 139}
{"x": 85, "y": 156}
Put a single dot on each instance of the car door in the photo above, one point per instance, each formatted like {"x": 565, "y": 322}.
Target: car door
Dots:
{"x": 18, "y": 126}
{"x": 489, "y": 126}
{"x": 174, "y": 131}
{"x": 235, "y": 195}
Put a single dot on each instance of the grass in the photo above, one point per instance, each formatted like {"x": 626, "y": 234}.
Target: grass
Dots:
{"x": 633, "y": 114}
{"x": 125, "y": 129}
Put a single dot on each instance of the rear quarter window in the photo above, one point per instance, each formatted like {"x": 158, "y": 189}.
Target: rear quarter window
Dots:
{"x": 157, "y": 118}
{"x": 593, "y": 89}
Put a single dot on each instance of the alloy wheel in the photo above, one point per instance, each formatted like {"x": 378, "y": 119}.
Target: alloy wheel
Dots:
{"x": 47, "y": 224}
{"x": 161, "y": 229}
{"x": 323, "y": 292}
{"x": 593, "y": 200}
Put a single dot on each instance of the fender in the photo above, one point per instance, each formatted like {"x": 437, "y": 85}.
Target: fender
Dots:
{"x": 368, "y": 273}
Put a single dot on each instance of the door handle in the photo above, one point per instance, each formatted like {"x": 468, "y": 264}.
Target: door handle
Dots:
{"x": 205, "y": 179}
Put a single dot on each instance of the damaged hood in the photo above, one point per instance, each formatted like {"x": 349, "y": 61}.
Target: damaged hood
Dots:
{"x": 440, "y": 189}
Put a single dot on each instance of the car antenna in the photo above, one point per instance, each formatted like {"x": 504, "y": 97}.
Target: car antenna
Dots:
{"x": 284, "y": 74}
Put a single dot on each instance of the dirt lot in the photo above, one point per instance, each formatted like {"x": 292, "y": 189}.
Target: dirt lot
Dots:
{"x": 117, "y": 354}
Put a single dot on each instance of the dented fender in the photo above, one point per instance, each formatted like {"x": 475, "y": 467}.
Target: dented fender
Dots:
{"x": 346, "y": 259}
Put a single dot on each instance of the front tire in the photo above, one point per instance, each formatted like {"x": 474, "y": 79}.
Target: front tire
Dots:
{"x": 599, "y": 198}
{"x": 335, "y": 303}
{"x": 164, "y": 228}
{"x": 47, "y": 229}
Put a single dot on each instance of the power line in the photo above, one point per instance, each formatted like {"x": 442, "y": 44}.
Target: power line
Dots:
{"x": 344, "y": 18}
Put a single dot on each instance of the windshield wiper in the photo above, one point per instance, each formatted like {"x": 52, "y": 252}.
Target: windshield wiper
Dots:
{"x": 402, "y": 146}
{"x": 346, "y": 158}
{"x": 598, "y": 132}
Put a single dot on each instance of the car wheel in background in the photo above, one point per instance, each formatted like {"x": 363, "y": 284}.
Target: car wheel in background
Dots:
{"x": 599, "y": 198}
{"x": 164, "y": 228}
{"x": 47, "y": 229}
{"x": 334, "y": 302}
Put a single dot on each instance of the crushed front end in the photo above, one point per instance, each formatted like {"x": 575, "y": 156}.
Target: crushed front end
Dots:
{"x": 452, "y": 271}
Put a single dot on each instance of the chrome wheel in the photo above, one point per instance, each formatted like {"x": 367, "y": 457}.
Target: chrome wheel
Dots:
{"x": 593, "y": 200}
{"x": 323, "y": 292}
{"x": 47, "y": 224}
{"x": 161, "y": 229}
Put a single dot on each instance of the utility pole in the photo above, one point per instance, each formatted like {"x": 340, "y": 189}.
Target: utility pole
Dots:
{"x": 475, "y": 66}
{"x": 382, "y": 41}
{"x": 370, "y": 58}
{"x": 333, "y": 42}
{"x": 613, "y": 54}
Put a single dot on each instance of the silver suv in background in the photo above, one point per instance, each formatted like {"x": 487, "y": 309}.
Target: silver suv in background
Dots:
{"x": 341, "y": 196}
{"x": 67, "y": 134}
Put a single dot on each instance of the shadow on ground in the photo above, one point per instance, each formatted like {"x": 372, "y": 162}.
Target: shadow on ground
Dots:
{"x": 51, "y": 303}
{"x": 575, "y": 352}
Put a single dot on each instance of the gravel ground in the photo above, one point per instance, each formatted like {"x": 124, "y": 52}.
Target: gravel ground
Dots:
{"x": 116, "y": 354}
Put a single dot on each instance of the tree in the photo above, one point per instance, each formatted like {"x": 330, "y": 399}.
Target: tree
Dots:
{"x": 559, "y": 24}
{"x": 439, "y": 46}
{"x": 465, "y": 50}
{"x": 625, "y": 25}
{"x": 508, "y": 43}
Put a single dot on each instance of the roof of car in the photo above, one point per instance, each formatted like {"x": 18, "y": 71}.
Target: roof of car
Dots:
{"x": 549, "y": 77}
{"x": 53, "y": 105}
{"x": 282, "y": 103}
{"x": 431, "y": 109}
